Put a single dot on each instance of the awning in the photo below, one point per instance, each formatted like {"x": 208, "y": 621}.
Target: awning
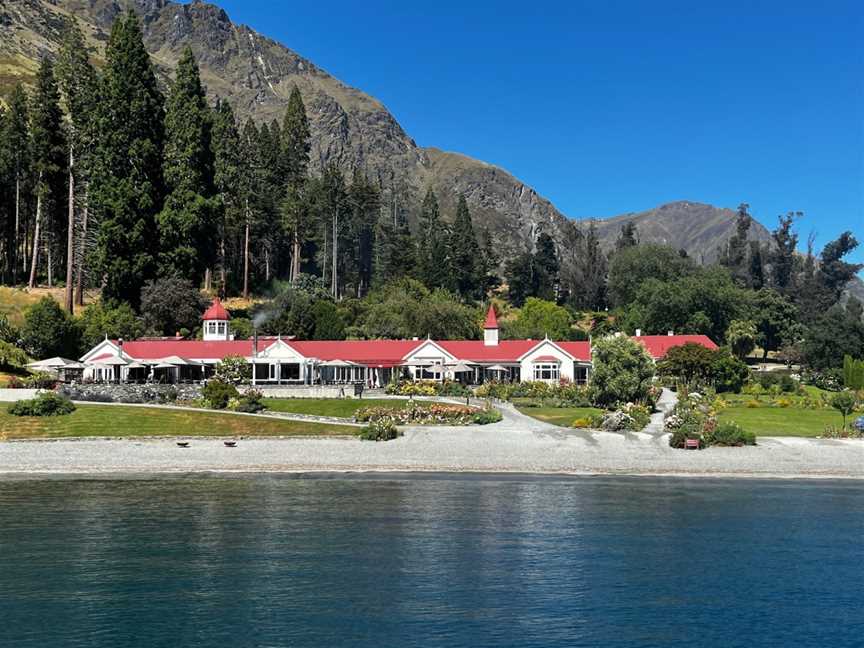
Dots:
{"x": 164, "y": 365}
{"x": 51, "y": 363}
{"x": 337, "y": 363}
{"x": 177, "y": 361}
{"x": 113, "y": 361}
{"x": 546, "y": 358}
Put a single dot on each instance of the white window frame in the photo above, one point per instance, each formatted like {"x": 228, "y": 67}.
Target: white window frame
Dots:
{"x": 547, "y": 371}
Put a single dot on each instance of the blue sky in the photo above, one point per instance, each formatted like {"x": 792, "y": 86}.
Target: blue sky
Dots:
{"x": 608, "y": 107}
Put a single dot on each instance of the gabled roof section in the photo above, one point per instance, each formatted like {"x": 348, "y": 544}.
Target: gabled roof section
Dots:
{"x": 476, "y": 351}
{"x": 216, "y": 311}
{"x": 491, "y": 319}
{"x": 193, "y": 349}
{"x": 368, "y": 352}
{"x": 658, "y": 345}
{"x": 547, "y": 341}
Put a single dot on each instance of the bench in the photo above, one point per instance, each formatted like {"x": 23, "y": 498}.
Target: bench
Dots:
{"x": 691, "y": 444}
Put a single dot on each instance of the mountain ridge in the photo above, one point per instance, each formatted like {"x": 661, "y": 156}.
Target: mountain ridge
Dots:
{"x": 349, "y": 127}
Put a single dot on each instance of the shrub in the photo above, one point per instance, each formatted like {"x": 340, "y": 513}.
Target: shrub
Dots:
{"x": 683, "y": 433}
{"x": 453, "y": 388}
{"x": 486, "y": 416}
{"x": 622, "y": 371}
{"x": 420, "y": 414}
{"x": 729, "y": 434}
{"x": 11, "y": 357}
{"x": 234, "y": 370}
{"x": 380, "y": 430}
{"x": 47, "y": 404}
{"x": 216, "y": 394}
{"x": 41, "y": 380}
{"x": 251, "y": 402}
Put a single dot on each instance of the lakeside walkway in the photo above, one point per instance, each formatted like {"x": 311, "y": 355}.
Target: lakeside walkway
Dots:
{"x": 518, "y": 444}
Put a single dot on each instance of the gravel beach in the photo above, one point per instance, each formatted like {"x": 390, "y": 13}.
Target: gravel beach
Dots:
{"x": 518, "y": 444}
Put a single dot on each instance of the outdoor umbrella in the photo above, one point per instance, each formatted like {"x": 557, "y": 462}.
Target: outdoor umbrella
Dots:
{"x": 461, "y": 368}
{"x": 51, "y": 363}
{"x": 136, "y": 365}
{"x": 111, "y": 362}
{"x": 337, "y": 363}
{"x": 177, "y": 361}
{"x": 497, "y": 368}
{"x": 164, "y": 365}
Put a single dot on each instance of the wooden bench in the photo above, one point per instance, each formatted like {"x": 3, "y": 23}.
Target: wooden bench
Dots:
{"x": 691, "y": 444}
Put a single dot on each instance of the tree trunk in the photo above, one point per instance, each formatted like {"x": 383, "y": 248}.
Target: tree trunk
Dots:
{"x": 80, "y": 279}
{"x": 295, "y": 264}
{"x": 222, "y": 261}
{"x": 335, "y": 278}
{"x": 70, "y": 237}
{"x": 16, "y": 247}
{"x": 266, "y": 264}
{"x": 49, "y": 253}
{"x": 208, "y": 279}
{"x": 246, "y": 256}
{"x": 35, "y": 258}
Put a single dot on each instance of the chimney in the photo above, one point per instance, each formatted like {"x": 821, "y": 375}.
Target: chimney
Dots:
{"x": 638, "y": 332}
{"x": 670, "y": 333}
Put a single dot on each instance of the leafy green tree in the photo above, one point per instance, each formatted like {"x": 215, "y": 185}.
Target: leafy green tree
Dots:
{"x": 775, "y": 318}
{"x": 728, "y": 372}
{"x": 464, "y": 252}
{"x": 49, "y": 157}
{"x": 171, "y": 304}
{"x": 690, "y": 363}
{"x": 189, "y": 220}
{"x": 741, "y": 337}
{"x": 539, "y": 318}
{"x": 831, "y": 337}
{"x": 11, "y": 357}
{"x": 630, "y": 267}
{"x": 329, "y": 324}
{"x": 115, "y": 321}
{"x": 48, "y": 331}
{"x": 8, "y": 333}
{"x": 622, "y": 371}
{"x": 844, "y": 402}
{"x": 127, "y": 184}
{"x": 834, "y": 273}
{"x": 853, "y": 373}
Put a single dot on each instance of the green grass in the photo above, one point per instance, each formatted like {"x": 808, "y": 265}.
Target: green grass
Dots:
{"x": 338, "y": 407}
{"x": 109, "y": 420}
{"x": 563, "y": 416}
{"x": 782, "y": 421}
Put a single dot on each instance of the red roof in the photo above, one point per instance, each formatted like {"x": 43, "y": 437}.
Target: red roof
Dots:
{"x": 491, "y": 321}
{"x": 477, "y": 351}
{"x": 579, "y": 350}
{"x": 216, "y": 311}
{"x": 368, "y": 352}
{"x": 659, "y": 345}
{"x": 193, "y": 349}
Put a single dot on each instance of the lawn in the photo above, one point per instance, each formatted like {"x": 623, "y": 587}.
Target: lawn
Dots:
{"x": 110, "y": 420}
{"x": 339, "y": 407}
{"x": 563, "y": 416}
{"x": 783, "y": 421}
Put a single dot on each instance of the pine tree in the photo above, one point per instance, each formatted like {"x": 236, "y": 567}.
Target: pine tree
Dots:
{"x": 629, "y": 236}
{"x": 783, "y": 256}
{"x": 189, "y": 220}
{"x": 434, "y": 261}
{"x": 586, "y": 271}
{"x": 227, "y": 178}
{"x": 17, "y": 152}
{"x": 364, "y": 205}
{"x": 734, "y": 255}
{"x": 295, "y": 155}
{"x": 127, "y": 183}
{"x": 49, "y": 153}
{"x": 464, "y": 253}
{"x": 547, "y": 268}
{"x": 79, "y": 86}
{"x": 250, "y": 183}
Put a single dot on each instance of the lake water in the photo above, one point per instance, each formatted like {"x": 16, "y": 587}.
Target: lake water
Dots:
{"x": 431, "y": 561}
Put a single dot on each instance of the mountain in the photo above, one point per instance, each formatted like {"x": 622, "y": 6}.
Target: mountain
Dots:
{"x": 348, "y": 126}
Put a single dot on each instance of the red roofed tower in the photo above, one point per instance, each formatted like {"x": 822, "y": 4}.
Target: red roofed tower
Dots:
{"x": 490, "y": 328}
{"x": 216, "y": 322}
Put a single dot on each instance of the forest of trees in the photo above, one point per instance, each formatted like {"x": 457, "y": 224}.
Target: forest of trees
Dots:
{"x": 107, "y": 181}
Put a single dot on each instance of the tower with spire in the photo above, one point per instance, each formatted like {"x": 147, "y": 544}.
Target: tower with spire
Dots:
{"x": 490, "y": 328}
{"x": 216, "y": 322}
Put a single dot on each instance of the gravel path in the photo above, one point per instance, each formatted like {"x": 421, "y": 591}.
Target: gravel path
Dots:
{"x": 516, "y": 444}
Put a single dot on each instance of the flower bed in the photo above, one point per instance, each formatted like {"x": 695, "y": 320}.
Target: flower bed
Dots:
{"x": 427, "y": 388}
{"x": 428, "y": 414}
{"x": 695, "y": 417}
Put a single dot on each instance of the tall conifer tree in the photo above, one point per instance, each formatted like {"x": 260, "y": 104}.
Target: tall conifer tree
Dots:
{"x": 295, "y": 159}
{"x": 18, "y": 153}
{"x": 79, "y": 86}
{"x": 464, "y": 252}
{"x": 227, "y": 160}
{"x": 188, "y": 223}
{"x": 49, "y": 152}
{"x": 127, "y": 184}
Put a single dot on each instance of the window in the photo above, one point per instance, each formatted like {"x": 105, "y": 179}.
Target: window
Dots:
{"x": 580, "y": 375}
{"x": 547, "y": 371}
{"x": 221, "y": 328}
